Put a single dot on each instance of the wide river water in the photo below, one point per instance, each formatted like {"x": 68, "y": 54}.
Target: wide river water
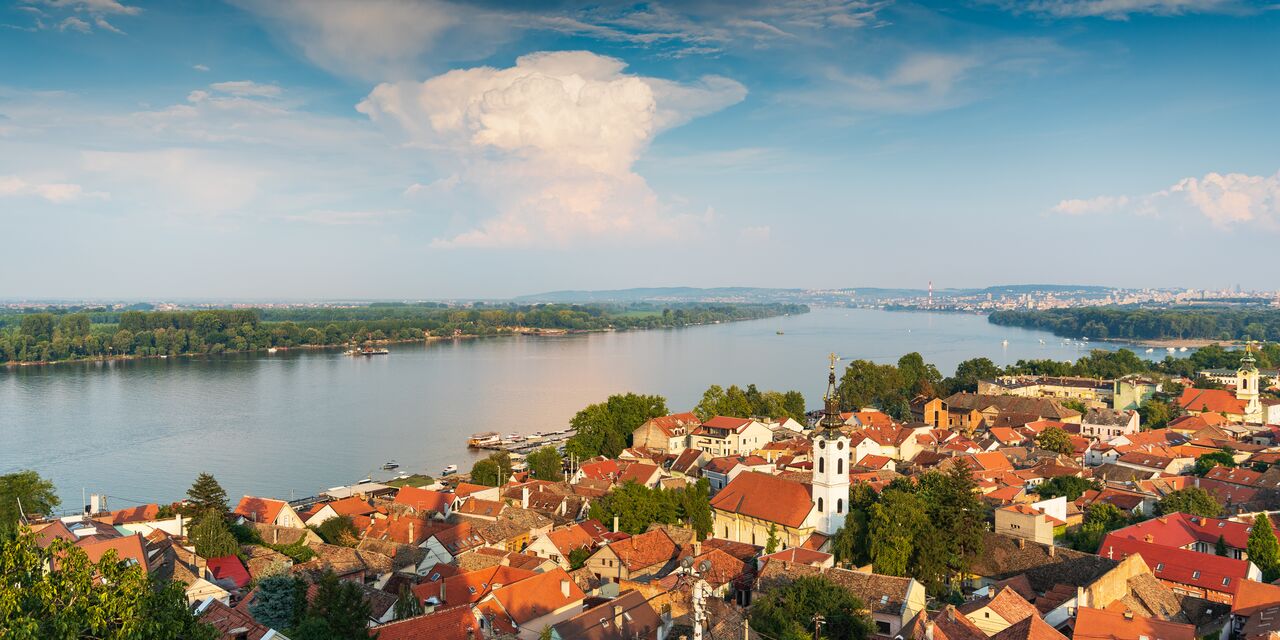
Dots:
{"x": 296, "y": 422}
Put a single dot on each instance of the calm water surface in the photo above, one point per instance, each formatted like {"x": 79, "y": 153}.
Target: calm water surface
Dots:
{"x": 295, "y": 423}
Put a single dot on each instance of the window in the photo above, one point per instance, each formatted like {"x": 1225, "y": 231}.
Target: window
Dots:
{"x": 822, "y": 466}
{"x": 1226, "y": 581}
{"x": 1195, "y": 575}
{"x": 840, "y": 466}
{"x": 839, "y": 505}
{"x": 819, "y": 505}
{"x": 1160, "y": 567}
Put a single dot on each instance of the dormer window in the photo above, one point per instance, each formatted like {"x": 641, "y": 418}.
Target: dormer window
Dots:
{"x": 1195, "y": 575}
{"x": 1160, "y": 567}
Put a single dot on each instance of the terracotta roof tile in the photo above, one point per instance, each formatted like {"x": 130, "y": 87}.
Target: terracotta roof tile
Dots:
{"x": 766, "y": 497}
{"x": 1096, "y": 624}
{"x": 262, "y": 510}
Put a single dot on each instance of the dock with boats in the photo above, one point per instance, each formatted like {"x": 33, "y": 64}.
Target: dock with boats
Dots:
{"x": 517, "y": 443}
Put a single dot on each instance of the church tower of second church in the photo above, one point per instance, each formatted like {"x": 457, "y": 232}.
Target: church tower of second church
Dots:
{"x": 1247, "y": 387}
{"x": 831, "y": 463}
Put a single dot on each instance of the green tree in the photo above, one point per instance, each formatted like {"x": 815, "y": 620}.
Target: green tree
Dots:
{"x": 493, "y": 470}
{"x": 25, "y": 489}
{"x": 578, "y": 558}
{"x": 1069, "y": 486}
{"x": 280, "y": 601}
{"x": 206, "y": 495}
{"x": 1192, "y": 500}
{"x": 1056, "y": 440}
{"x": 851, "y": 544}
{"x": 1220, "y": 547}
{"x": 546, "y": 464}
{"x": 969, "y": 372}
{"x": 1100, "y": 518}
{"x": 211, "y": 536}
{"x": 786, "y": 612}
{"x": 407, "y": 605}
{"x": 109, "y": 600}
{"x": 605, "y": 428}
{"x": 718, "y": 401}
{"x": 1213, "y": 459}
{"x": 867, "y": 384}
{"x": 1263, "y": 549}
{"x": 339, "y": 530}
{"x": 918, "y": 376}
{"x": 1155, "y": 414}
{"x": 772, "y": 543}
{"x": 896, "y": 521}
{"x": 339, "y": 612}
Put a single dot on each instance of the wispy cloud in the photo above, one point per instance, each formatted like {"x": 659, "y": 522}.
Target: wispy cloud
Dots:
{"x": 55, "y": 192}
{"x": 1123, "y": 9}
{"x": 76, "y": 15}
{"x": 1225, "y": 200}
{"x": 247, "y": 88}
{"x": 551, "y": 141}
{"x": 200, "y": 67}
{"x": 345, "y": 218}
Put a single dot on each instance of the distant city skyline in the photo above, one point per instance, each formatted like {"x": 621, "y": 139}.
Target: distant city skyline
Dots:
{"x": 293, "y": 149}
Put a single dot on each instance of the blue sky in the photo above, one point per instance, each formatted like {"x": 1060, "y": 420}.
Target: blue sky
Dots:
{"x": 326, "y": 149}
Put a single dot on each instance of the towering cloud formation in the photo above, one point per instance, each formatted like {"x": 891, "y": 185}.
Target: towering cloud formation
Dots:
{"x": 552, "y": 140}
{"x": 1226, "y": 200}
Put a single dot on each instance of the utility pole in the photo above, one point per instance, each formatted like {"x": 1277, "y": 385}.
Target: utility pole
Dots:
{"x": 818, "y": 621}
{"x": 699, "y": 599}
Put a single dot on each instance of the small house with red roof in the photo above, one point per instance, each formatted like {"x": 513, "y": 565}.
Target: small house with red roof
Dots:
{"x": 1028, "y": 522}
{"x": 666, "y": 434}
{"x": 453, "y": 623}
{"x": 349, "y": 507}
{"x": 721, "y": 471}
{"x": 437, "y": 504}
{"x": 639, "y": 557}
{"x": 642, "y": 473}
{"x": 753, "y": 503}
{"x": 267, "y": 511}
{"x": 1103, "y": 624}
{"x": 526, "y": 607}
{"x": 557, "y": 544}
{"x": 1194, "y": 533}
{"x": 228, "y": 570}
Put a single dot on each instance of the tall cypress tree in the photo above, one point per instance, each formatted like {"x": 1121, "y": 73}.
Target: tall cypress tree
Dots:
{"x": 1264, "y": 550}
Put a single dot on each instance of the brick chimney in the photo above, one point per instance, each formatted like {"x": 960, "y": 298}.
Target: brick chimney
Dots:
{"x": 524, "y": 497}
{"x": 442, "y": 590}
{"x": 615, "y": 524}
{"x": 564, "y": 588}
{"x": 1053, "y": 550}
{"x": 617, "y": 617}
{"x": 412, "y": 540}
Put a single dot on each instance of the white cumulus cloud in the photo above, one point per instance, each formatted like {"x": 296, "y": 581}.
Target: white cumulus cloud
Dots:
{"x": 1225, "y": 200}
{"x": 552, "y": 140}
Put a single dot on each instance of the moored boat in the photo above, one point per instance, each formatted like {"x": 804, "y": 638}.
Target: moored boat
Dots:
{"x": 449, "y": 470}
{"x": 483, "y": 439}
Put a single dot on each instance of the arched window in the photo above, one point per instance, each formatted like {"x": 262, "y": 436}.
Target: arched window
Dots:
{"x": 839, "y": 465}
{"x": 839, "y": 505}
{"x": 822, "y": 467}
{"x": 819, "y": 505}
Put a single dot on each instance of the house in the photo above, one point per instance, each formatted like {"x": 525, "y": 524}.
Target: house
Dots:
{"x": 1194, "y": 533}
{"x": 1155, "y": 464}
{"x": 1188, "y": 573}
{"x": 1255, "y": 614}
{"x": 990, "y": 407}
{"x": 350, "y": 507}
{"x": 424, "y": 502}
{"x": 606, "y": 470}
{"x": 1031, "y": 628}
{"x": 1133, "y": 390}
{"x": 636, "y": 558}
{"x": 267, "y": 511}
{"x": 1106, "y": 423}
{"x": 1090, "y": 391}
{"x": 726, "y": 436}
{"x": 689, "y": 463}
{"x": 1099, "y": 624}
{"x": 1044, "y": 566}
{"x": 626, "y": 617}
{"x": 667, "y": 434}
{"x": 720, "y": 471}
{"x": 233, "y": 624}
{"x": 557, "y": 544}
{"x": 642, "y": 473}
{"x": 1035, "y": 522}
{"x": 996, "y": 613}
{"x": 468, "y": 587}
{"x": 526, "y": 607}
{"x": 453, "y": 623}
{"x": 752, "y": 503}
{"x": 444, "y": 545}
{"x": 798, "y": 555}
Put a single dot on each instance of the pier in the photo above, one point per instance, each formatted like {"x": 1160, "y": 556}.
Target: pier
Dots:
{"x": 527, "y": 443}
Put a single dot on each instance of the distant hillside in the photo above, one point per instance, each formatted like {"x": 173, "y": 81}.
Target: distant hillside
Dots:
{"x": 766, "y": 294}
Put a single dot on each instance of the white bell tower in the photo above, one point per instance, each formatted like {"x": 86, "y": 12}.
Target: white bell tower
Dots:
{"x": 1247, "y": 386}
{"x": 831, "y": 456}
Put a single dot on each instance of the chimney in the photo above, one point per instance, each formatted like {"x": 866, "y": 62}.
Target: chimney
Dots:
{"x": 412, "y": 540}
{"x": 442, "y": 601}
{"x": 1022, "y": 543}
{"x": 928, "y": 630}
{"x": 617, "y": 617}
{"x": 1052, "y": 550}
{"x": 564, "y": 588}
{"x": 524, "y": 497}
{"x": 697, "y": 548}
{"x": 615, "y": 524}
{"x": 1128, "y": 615}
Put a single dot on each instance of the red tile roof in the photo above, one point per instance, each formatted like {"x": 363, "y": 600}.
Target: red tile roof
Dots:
{"x": 735, "y": 425}
{"x": 1181, "y": 530}
{"x": 674, "y": 424}
{"x": 532, "y": 598}
{"x": 873, "y": 461}
{"x": 127, "y": 548}
{"x": 766, "y": 497}
{"x": 229, "y": 568}
{"x": 645, "y": 550}
{"x": 603, "y": 470}
{"x": 351, "y": 507}
{"x": 465, "y": 489}
{"x": 1211, "y": 401}
{"x": 231, "y": 623}
{"x": 1097, "y": 624}
{"x": 1203, "y": 570}
{"x": 640, "y": 472}
{"x": 453, "y": 623}
{"x": 566, "y": 539}
{"x": 1235, "y": 475}
{"x": 472, "y": 586}
{"x": 797, "y": 555}
{"x": 478, "y": 507}
{"x": 143, "y": 513}
{"x": 423, "y": 500}
{"x": 262, "y": 510}
{"x": 1255, "y": 596}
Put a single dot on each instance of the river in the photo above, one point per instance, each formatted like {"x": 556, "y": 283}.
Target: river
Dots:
{"x": 296, "y": 422}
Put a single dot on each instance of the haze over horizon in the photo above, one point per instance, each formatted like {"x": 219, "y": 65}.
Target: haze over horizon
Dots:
{"x": 388, "y": 150}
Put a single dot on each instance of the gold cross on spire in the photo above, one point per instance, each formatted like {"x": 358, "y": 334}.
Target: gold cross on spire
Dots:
{"x": 833, "y": 357}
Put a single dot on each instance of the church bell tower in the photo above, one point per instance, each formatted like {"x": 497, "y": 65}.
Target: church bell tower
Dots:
{"x": 1247, "y": 386}
{"x": 831, "y": 461}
